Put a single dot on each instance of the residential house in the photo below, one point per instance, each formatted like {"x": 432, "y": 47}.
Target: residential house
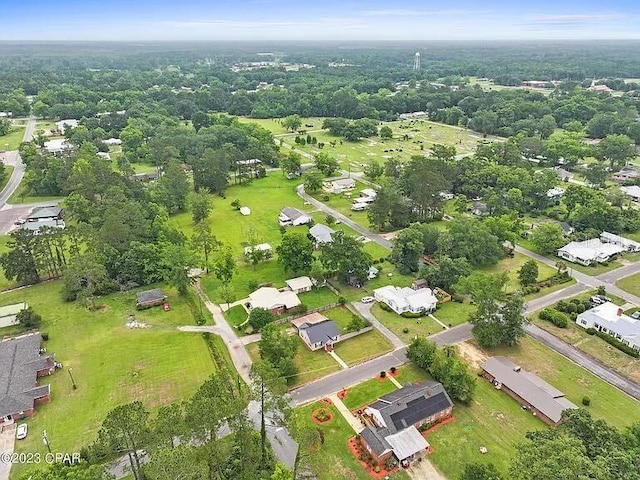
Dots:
{"x": 627, "y": 244}
{"x": 419, "y": 284}
{"x": 9, "y": 313}
{"x": 626, "y": 174}
{"x": 317, "y": 331}
{"x": 555, "y": 193}
{"x": 633, "y": 192}
{"x": 589, "y": 252}
{"x": 249, "y": 163}
{"x": 359, "y": 206}
{"x": 40, "y": 214}
{"x": 412, "y": 115}
{"x": 36, "y": 227}
{"x": 290, "y": 216}
{"x": 537, "y": 84}
{"x": 321, "y": 234}
{"x": 146, "y": 177}
{"x": 67, "y": 123}
{"x": 150, "y": 298}
{"x": 299, "y": 284}
{"x": 397, "y": 416}
{"x": 22, "y": 363}
{"x": 609, "y": 318}
{"x": 271, "y": 298}
{"x": 533, "y": 393}
{"x": 479, "y": 209}
{"x": 112, "y": 141}
{"x": 340, "y": 185}
{"x": 58, "y": 145}
{"x": 263, "y": 247}
{"x": 405, "y": 299}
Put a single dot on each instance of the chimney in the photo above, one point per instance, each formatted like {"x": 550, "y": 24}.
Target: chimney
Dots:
{"x": 620, "y": 312}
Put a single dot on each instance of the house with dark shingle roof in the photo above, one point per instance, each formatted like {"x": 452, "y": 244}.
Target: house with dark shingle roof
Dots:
{"x": 150, "y": 298}
{"x": 397, "y": 416}
{"x": 321, "y": 334}
{"x": 21, "y": 364}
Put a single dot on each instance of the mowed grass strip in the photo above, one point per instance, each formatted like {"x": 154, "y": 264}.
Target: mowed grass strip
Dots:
{"x": 112, "y": 364}
{"x": 630, "y": 284}
{"x": 362, "y": 347}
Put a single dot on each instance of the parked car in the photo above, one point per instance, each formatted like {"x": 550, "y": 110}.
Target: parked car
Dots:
{"x": 21, "y": 432}
{"x": 636, "y": 315}
{"x": 596, "y": 300}
{"x": 368, "y": 299}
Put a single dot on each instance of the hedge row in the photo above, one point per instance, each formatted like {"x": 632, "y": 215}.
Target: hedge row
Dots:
{"x": 618, "y": 344}
{"x": 559, "y": 319}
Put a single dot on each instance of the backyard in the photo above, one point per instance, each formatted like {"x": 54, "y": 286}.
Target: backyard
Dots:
{"x": 512, "y": 265}
{"x": 112, "y": 364}
{"x": 13, "y": 139}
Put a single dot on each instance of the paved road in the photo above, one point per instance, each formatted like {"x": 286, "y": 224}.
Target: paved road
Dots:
{"x": 460, "y": 333}
{"x": 585, "y": 361}
{"x": 344, "y": 219}
{"x": 7, "y": 439}
{"x": 18, "y": 170}
{"x": 552, "y": 298}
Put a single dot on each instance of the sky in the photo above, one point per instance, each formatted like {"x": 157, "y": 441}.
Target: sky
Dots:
{"x": 271, "y": 20}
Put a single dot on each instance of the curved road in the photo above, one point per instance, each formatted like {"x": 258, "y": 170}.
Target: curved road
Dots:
{"x": 18, "y": 169}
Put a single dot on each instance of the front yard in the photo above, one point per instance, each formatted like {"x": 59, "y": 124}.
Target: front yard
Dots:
{"x": 363, "y": 347}
{"x": 112, "y": 364}
{"x": 630, "y": 284}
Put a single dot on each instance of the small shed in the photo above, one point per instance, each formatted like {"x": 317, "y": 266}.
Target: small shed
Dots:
{"x": 150, "y": 298}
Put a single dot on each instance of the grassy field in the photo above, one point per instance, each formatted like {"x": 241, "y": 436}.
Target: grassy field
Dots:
{"x": 236, "y": 315}
{"x": 454, "y": 313}
{"x": 494, "y": 420}
{"x": 21, "y": 195}
{"x": 318, "y": 297}
{"x": 512, "y": 265}
{"x": 111, "y": 363}
{"x": 8, "y": 169}
{"x": 334, "y": 458}
{"x": 13, "y": 139}
{"x": 363, "y": 347}
{"x": 575, "y": 382}
{"x": 422, "y": 134}
{"x": 630, "y": 284}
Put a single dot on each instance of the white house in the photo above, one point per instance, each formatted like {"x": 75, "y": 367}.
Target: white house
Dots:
{"x": 271, "y": 298}
{"x": 359, "y": 206}
{"x": 555, "y": 193}
{"x": 299, "y": 284}
{"x": 57, "y": 145}
{"x": 321, "y": 234}
{"x": 112, "y": 141}
{"x": 610, "y": 319}
{"x": 263, "y": 247}
{"x": 633, "y": 192}
{"x": 405, "y": 299}
{"x": 589, "y": 252}
{"x": 340, "y": 185}
{"x": 290, "y": 216}
{"x": 368, "y": 193}
{"x": 627, "y": 244}
{"x": 67, "y": 123}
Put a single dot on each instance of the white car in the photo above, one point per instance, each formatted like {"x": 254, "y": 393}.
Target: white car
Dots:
{"x": 21, "y": 432}
{"x": 368, "y": 299}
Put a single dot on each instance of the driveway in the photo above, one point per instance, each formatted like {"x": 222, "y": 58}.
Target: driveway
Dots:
{"x": 364, "y": 309}
{"x": 7, "y": 439}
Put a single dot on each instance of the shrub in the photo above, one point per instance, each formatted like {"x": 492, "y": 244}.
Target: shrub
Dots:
{"x": 571, "y": 308}
{"x": 405, "y": 330}
{"x": 618, "y": 344}
{"x": 383, "y": 374}
{"x": 580, "y": 308}
{"x": 45, "y": 336}
{"x": 393, "y": 369}
{"x": 411, "y": 315}
{"x": 602, "y": 290}
{"x": 342, "y": 300}
{"x": 252, "y": 285}
{"x": 591, "y": 331}
{"x": 385, "y": 307}
{"x": 561, "y": 306}
{"x": 323, "y": 415}
{"x": 559, "y": 319}
{"x": 586, "y": 401}
{"x": 28, "y": 318}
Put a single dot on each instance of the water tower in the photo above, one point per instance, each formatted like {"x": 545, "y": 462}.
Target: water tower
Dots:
{"x": 416, "y": 62}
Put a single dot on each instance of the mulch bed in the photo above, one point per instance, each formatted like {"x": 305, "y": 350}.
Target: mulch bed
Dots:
{"x": 393, "y": 374}
{"x": 342, "y": 394}
{"x": 326, "y": 401}
{"x": 320, "y": 422}
{"x": 355, "y": 451}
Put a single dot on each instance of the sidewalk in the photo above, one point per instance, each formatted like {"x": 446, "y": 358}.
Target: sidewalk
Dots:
{"x": 348, "y": 416}
{"x": 335, "y": 356}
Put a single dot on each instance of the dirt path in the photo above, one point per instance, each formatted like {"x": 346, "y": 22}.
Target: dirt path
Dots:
{"x": 472, "y": 354}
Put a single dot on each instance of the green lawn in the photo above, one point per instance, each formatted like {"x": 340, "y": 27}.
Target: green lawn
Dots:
{"x": 21, "y": 195}
{"x": 334, "y": 460}
{"x": 630, "y": 284}
{"x": 367, "y": 392}
{"x": 410, "y": 373}
{"x": 422, "y": 327}
{"x": 4, "y": 283}
{"x": 318, "y": 297}
{"x": 494, "y": 420}
{"x": 454, "y": 313}
{"x": 575, "y": 382}
{"x": 340, "y": 315}
{"x": 343, "y": 204}
{"x": 236, "y": 315}
{"x": 13, "y": 139}
{"x": 8, "y": 170}
{"x": 111, "y": 364}
{"x": 363, "y": 347}
{"x": 512, "y": 265}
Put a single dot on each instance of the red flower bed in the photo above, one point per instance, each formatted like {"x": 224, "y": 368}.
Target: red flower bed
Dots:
{"x": 356, "y": 448}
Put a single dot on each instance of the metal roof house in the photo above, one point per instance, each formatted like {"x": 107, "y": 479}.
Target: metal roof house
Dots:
{"x": 627, "y": 244}
{"x": 299, "y": 284}
{"x": 270, "y": 298}
{"x": 321, "y": 233}
{"x": 397, "y": 416}
{"x": 544, "y": 400}
{"x": 406, "y": 299}
{"x": 589, "y": 251}
{"x": 290, "y": 216}
{"x": 21, "y": 364}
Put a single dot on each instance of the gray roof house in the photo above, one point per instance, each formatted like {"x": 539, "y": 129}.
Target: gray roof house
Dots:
{"x": 544, "y": 400}
{"x": 21, "y": 364}
{"x": 40, "y": 214}
{"x": 150, "y": 298}
{"x": 321, "y": 233}
{"x": 397, "y": 416}
{"x": 319, "y": 334}
{"x": 290, "y": 216}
